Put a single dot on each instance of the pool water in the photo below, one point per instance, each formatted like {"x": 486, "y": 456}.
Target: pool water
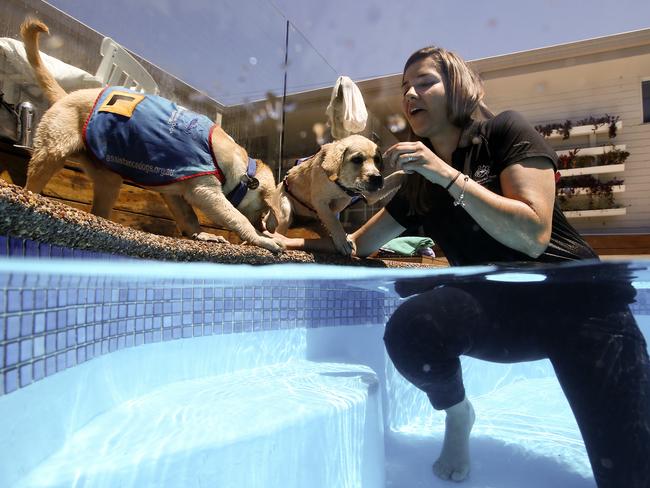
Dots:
{"x": 308, "y": 398}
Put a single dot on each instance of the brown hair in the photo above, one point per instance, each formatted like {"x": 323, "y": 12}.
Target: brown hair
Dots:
{"x": 464, "y": 90}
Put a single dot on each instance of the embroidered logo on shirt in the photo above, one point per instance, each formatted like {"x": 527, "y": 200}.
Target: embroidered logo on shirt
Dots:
{"x": 482, "y": 173}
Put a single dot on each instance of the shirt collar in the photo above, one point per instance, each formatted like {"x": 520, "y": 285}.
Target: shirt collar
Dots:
{"x": 471, "y": 130}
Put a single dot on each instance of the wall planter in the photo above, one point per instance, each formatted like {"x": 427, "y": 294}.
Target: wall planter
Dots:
{"x": 590, "y": 126}
{"x": 604, "y": 212}
{"x": 579, "y": 192}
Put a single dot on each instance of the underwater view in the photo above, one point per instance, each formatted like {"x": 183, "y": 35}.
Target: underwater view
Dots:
{"x": 344, "y": 245}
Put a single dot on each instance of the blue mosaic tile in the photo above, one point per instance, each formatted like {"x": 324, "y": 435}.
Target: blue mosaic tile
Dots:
{"x": 31, "y": 249}
{"x": 61, "y": 341}
{"x": 70, "y": 358}
{"x": 50, "y": 343}
{"x": 26, "y": 350}
{"x": 50, "y": 320}
{"x": 25, "y": 375}
{"x": 81, "y": 355}
{"x": 44, "y": 250}
{"x": 11, "y": 380}
{"x": 4, "y": 246}
{"x": 39, "y": 369}
{"x": 13, "y": 300}
{"x": 39, "y": 346}
{"x": 50, "y": 365}
{"x": 16, "y": 247}
{"x": 13, "y": 327}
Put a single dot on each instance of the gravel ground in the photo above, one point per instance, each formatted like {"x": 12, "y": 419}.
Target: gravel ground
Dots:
{"x": 30, "y": 216}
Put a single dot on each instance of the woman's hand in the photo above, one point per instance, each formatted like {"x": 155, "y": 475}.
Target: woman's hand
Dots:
{"x": 286, "y": 242}
{"x": 415, "y": 157}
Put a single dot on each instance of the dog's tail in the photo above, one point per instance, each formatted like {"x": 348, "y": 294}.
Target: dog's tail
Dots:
{"x": 29, "y": 31}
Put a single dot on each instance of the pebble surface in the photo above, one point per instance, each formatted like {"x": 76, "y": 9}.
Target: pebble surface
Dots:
{"x": 30, "y": 216}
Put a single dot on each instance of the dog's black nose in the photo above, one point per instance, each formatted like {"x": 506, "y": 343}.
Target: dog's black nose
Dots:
{"x": 375, "y": 182}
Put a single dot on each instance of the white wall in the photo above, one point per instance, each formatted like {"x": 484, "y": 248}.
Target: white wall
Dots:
{"x": 577, "y": 91}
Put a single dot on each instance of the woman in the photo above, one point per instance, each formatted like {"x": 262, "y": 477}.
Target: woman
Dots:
{"x": 483, "y": 187}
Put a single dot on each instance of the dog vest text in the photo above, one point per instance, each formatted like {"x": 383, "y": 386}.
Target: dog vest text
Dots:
{"x": 148, "y": 139}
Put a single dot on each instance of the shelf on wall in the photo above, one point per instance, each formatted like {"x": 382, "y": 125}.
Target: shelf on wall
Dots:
{"x": 593, "y": 170}
{"x": 605, "y": 212}
{"x": 585, "y": 191}
{"x": 585, "y": 130}
{"x": 593, "y": 151}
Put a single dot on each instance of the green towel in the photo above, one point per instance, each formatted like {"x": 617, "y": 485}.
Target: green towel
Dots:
{"x": 407, "y": 246}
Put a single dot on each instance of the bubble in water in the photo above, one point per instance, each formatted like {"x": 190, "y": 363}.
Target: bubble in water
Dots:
{"x": 273, "y": 106}
{"x": 319, "y": 131}
{"x": 199, "y": 97}
{"x": 252, "y": 60}
{"x": 426, "y": 368}
{"x": 396, "y": 123}
{"x": 373, "y": 14}
{"x": 259, "y": 117}
{"x": 55, "y": 42}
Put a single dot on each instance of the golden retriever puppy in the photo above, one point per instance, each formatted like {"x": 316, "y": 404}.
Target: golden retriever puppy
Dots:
{"x": 121, "y": 134}
{"x": 325, "y": 184}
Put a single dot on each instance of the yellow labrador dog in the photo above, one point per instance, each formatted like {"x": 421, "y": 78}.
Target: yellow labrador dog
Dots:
{"x": 120, "y": 134}
{"x": 325, "y": 184}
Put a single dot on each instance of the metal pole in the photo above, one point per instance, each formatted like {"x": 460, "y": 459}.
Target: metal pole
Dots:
{"x": 284, "y": 101}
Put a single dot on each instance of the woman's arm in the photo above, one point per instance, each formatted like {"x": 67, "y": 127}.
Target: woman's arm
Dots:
{"x": 380, "y": 229}
{"x": 521, "y": 218}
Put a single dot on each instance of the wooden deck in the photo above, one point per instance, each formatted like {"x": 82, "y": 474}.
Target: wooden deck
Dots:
{"x": 145, "y": 210}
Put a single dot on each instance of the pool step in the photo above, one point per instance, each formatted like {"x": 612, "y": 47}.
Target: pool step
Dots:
{"x": 295, "y": 424}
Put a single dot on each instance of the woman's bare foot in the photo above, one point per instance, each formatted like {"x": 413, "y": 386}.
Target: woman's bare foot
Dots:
{"x": 453, "y": 463}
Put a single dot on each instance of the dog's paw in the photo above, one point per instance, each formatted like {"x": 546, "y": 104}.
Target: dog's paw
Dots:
{"x": 344, "y": 245}
{"x": 207, "y": 237}
{"x": 270, "y": 244}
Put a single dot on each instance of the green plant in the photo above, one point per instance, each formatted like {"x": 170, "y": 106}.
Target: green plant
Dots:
{"x": 565, "y": 127}
{"x": 599, "y": 193}
{"x": 573, "y": 160}
{"x": 597, "y": 122}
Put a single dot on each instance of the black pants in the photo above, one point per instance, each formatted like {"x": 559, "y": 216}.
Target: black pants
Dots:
{"x": 588, "y": 333}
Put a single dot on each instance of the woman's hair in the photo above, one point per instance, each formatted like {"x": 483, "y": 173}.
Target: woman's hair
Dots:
{"x": 464, "y": 90}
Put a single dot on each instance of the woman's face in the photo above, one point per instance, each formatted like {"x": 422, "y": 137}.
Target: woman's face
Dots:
{"x": 424, "y": 101}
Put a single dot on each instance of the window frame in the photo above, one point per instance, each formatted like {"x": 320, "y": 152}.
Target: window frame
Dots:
{"x": 645, "y": 117}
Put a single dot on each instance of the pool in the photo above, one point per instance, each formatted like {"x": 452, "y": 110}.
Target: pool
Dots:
{"x": 140, "y": 373}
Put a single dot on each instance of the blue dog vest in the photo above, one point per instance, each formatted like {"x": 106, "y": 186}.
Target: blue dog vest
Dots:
{"x": 148, "y": 139}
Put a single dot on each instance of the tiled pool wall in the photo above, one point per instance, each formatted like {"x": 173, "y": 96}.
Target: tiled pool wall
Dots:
{"x": 49, "y": 323}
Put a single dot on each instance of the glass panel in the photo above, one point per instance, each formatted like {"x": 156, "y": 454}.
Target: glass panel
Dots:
{"x": 310, "y": 78}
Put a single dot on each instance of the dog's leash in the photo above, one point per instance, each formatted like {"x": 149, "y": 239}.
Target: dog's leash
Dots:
{"x": 356, "y": 196}
{"x": 248, "y": 181}
{"x": 285, "y": 184}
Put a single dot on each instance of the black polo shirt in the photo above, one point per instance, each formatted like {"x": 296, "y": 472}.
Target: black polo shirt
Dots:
{"x": 486, "y": 149}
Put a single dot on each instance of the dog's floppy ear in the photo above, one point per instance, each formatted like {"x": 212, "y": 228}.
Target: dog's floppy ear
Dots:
{"x": 332, "y": 156}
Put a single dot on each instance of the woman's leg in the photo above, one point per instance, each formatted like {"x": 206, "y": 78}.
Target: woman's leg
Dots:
{"x": 600, "y": 358}
{"x": 427, "y": 334}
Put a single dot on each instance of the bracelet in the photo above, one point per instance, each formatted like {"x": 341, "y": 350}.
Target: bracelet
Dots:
{"x": 452, "y": 181}
{"x": 461, "y": 198}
